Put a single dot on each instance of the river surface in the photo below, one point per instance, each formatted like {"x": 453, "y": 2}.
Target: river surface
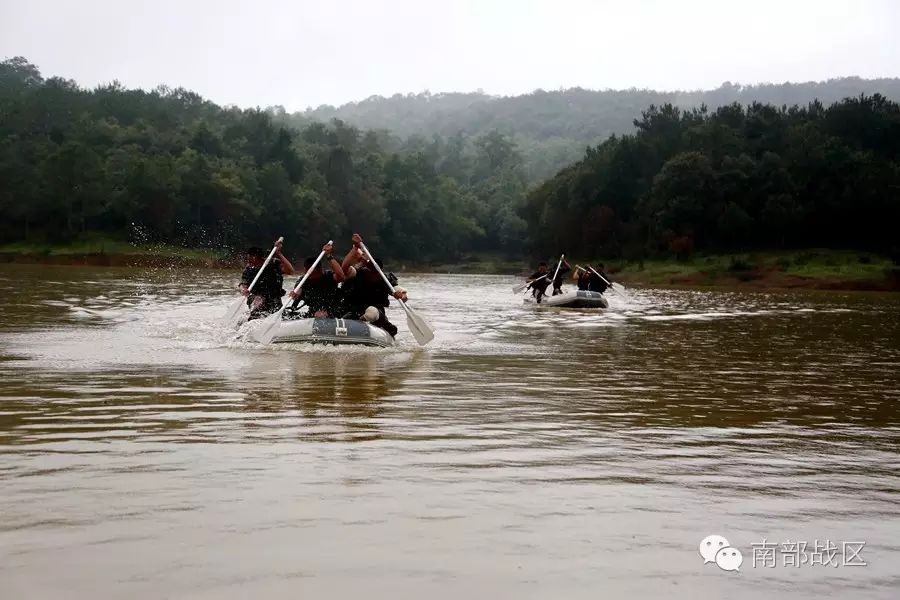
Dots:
{"x": 147, "y": 452}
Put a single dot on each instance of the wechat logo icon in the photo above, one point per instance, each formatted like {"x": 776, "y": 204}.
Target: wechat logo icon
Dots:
{"x": 716, "y": 549}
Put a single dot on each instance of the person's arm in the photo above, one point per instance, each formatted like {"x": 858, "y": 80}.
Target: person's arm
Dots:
{"x": 337, "y": 270}
{"x": 244, "y": 285}
{"x": 400, "y": 294}
{"x": 395, "y": 290}
{"x": 295, "y": 293}
{"x": 347, "y": 266}
{"x": 354, "y": 255}
{"x": 336, "y": 267}
{"x": 286, "y": 267}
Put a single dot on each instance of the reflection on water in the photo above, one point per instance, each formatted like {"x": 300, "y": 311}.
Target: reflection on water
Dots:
{"x": 146, "y": 452}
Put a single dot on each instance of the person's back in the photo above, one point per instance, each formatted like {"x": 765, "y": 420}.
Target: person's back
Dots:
{"x": 320, "y": 292}
{"x": 597, "y": 283}
{"x": 365, "y": 294}
{"x": 584, "y": 280}
{"x": 366, "y": 288}
{"x": 539, "y": 281}
{"x": 266, "y": 295}
{"x": 322, "y": 296}
{"x": 557, "y": 281}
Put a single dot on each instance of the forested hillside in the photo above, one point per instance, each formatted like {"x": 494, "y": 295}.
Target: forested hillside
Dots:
{"x": 552, "y": 129}
{"x": 733, "y": 179}
{"x": 168, "y": 166}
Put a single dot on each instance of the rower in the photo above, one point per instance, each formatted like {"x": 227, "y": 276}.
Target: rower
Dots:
{"x": 320, "y": 293}
{"x": 598, "y": 282}
{"x": 583, "y": 278}
{"x": 538, "y": 282}
{"x": 266, "y": 296}
{"x": 366, "y": 296}
{"x": 557, "y": 281}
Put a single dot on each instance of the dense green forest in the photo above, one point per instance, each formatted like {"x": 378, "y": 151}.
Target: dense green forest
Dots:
{"x": 551, "y": 129}
{"x": 734, "y": 179}
{"x": 168, "y": 166}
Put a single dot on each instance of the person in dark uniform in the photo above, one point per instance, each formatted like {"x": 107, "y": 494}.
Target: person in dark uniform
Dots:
{"x": 597, "y": 284}
{"x": 583, "y": 279}
{"x": 557, "y": 281}
{"x": 539, "y": 281}
{"x": 365, "y": 294}
{"x": 266, "y": 295}
{"x": 320, "y": 293}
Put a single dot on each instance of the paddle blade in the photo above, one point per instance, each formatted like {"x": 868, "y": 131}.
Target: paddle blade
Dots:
{"x": 420, "y": 329}
{"x": 235, "y": 313}
{"x": 518, "y": 289}
{"x": 620, "y": 289}
{"x": 269, "y": 327}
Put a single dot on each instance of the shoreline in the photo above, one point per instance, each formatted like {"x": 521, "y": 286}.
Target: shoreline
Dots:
{"x": 762, "y": 272}
{"x": 129, "y": 260}
{"x": 774, "y": 283}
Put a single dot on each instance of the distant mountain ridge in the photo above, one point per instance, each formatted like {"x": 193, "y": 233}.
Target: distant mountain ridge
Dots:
{"x": 552, "y": 128}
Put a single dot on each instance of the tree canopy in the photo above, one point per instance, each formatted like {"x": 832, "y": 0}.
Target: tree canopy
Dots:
{"x": 166, "y": 165}
{"x": 552, "y": 128}
{"x": 736, "y": 178}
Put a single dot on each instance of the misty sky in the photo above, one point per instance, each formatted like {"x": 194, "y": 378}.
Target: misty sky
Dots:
{"x": 301, "y": 53}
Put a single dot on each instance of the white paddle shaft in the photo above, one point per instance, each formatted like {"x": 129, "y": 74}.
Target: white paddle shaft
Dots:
{"x": 265, "y": 264}
{"x": 556, "y": 272}
{"x": 601, "y": 276}
{"x": 380, "y": 272}
{"x": 311, "y": 268}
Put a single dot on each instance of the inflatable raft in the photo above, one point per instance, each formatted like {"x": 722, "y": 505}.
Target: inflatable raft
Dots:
{"x": 573, "y": 299}
{"x": 332, "y": 331}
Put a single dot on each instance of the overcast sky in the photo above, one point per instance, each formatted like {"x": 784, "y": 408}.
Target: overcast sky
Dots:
{"x": 301, "y": 53}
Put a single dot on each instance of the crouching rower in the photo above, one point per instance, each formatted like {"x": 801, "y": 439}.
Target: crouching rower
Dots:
{"x": 538, "y": 281}
{"x": 582, "y": 278}
{"x": 599, "y": 279}
{"x": 365, "y": 294}
{"x": 266, "y": 296}
{"x": 593, "y": 279}
{"x": 320, "y": 293}
{"x": 562, "y": 269}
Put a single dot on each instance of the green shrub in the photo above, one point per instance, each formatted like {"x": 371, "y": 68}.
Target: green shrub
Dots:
{"x": 737, "y": 265}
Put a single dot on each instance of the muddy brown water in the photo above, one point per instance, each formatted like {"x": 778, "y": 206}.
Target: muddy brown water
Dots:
{"x": 146, "y": 452}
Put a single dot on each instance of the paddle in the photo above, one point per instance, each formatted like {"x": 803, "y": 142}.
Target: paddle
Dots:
{"x": 234, "y": 316}
{"x": 540, "y": 294}
{"x": 611, "y": 285}
{"x": 558, "y": 265}
{"x": 270, "y": 325}
{"x": 421, "y": 330}
{"x": 518, "y": 289}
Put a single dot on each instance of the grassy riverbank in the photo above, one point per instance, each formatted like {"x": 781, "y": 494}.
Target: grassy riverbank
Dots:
{"x": 112, "y": 253}
{"x": 813, "y": 269}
